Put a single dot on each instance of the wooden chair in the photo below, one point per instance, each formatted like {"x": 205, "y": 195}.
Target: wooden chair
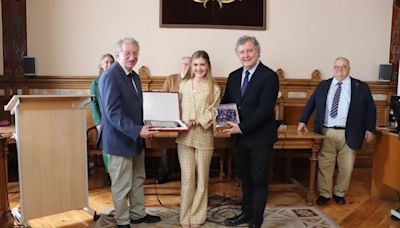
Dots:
{"x": 221, "y": 154}
{"x": 95, "y": 159}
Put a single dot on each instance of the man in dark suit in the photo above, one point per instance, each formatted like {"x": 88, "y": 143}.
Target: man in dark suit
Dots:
{"x": 346, "y": 115}
{"x": 122, "y": 134}
{"x": 254, "y": 88}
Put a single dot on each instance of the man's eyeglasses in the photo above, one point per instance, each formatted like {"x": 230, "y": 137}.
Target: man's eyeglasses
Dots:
{"x": 340, "y": 67}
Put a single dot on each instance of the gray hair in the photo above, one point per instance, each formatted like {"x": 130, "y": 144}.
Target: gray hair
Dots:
{"x": 244, "y": 39}
{"x": 344, "y": 59}
{"x": 129, "y": 40}
{"x": 185, "y": 57}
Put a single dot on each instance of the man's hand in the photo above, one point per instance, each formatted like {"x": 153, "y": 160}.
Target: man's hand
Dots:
{"x": 234, "y": 129}
{"x": 146, "y": 132}
{"x": 368, "y": 136}
{"x": 302, "y": 128}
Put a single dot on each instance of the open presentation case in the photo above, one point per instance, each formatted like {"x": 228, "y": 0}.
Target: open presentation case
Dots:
{"x": 161, "y": 110}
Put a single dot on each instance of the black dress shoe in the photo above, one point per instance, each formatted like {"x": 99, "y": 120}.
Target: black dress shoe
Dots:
{"x": 146, "y": 219}
{"x": 322, "y": 200}
{"x": 237, "y": 220}
{"x": 339, "y": 200}
{"x": 252, "y": 225}
{"x": 123, "y": 226}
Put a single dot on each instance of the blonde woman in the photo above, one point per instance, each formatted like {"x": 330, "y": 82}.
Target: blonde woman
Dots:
{"x": 199, "y": 94}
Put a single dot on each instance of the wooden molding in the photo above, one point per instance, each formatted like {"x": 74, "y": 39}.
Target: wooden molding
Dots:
{"x": 316, "y": 75}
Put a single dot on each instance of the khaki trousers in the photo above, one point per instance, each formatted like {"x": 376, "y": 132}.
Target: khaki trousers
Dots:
{"x": 194, "y": 196}
{"x": 127, "y": 177}
{"x": 334, "y": 149}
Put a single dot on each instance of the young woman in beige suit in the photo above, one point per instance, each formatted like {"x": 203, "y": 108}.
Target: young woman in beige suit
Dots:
{"x": 199, "y": 93}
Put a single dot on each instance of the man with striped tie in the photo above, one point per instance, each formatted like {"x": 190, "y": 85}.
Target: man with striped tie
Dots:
{"x": 346, "y": 116}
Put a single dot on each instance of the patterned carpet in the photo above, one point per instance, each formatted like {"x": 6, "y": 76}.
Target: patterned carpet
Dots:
{"x": 274, "y": 217}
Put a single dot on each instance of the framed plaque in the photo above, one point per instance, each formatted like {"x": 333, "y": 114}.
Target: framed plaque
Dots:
{"x": 225, "y": 113}
{"x": 161, "y": 111}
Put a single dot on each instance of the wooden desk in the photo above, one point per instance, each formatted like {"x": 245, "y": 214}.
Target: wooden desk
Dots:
{"x": 5, "y": 214}
{"x": 386, "y": 166}
{"x": 288, "y": 139}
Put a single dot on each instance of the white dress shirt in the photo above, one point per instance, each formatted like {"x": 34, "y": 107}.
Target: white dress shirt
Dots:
{"x": 251, "y": 71}
{"x": 126, "y": 73}
{"x": 344, "y": 103}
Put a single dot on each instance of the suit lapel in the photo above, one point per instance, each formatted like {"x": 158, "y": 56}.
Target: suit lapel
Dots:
{"x": 254, "y": 78}
{"x": 355, "y": 89}
{"x": 325, "y": 90}
{"x": 129, "y": 84}
{"x": 237, "y": 83}
{"x": 138, "y": 84}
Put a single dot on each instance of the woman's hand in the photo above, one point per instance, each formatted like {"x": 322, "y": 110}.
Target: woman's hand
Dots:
{"x": 190, "y": 123}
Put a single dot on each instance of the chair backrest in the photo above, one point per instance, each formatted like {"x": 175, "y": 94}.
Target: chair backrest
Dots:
{"x": 91, "y": 137}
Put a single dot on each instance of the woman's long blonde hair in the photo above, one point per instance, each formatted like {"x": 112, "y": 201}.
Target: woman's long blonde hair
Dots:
{"x": 210, "y": 80}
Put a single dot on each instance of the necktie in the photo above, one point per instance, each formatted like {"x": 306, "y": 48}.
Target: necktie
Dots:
{"x": 245, "y": 83}
{"x": 130, "y": 76}
{"x": 335, "y": 102}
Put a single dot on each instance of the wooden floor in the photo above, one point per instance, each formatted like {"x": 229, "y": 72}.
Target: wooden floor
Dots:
{"x": 360, "y": 210}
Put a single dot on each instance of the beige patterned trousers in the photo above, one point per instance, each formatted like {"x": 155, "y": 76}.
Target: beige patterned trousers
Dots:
{"x": 334, "y": 148}
{"x": 194, "y": 196}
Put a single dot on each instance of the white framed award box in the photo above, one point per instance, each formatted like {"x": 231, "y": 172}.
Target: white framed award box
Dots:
{"x": 161, "y": 111}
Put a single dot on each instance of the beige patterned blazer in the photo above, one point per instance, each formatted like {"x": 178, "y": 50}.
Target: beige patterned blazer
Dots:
{"x": 194, "y": 106}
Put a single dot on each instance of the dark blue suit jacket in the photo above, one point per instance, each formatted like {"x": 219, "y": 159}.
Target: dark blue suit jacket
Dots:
{"x": 121, "y": 113}
{"x": 256, "y": 107}
{"x": 361, "y": 116}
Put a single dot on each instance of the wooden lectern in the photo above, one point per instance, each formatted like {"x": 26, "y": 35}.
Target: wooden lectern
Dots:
{"x": 52, "y": 160}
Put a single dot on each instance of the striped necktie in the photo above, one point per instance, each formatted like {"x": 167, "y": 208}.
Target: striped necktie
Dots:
{"x": 245, "y": 83}
{"x": 335, "y": 102}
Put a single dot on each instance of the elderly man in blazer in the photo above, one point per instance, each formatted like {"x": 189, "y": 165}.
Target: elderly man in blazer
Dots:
{"x": 122, "y": 134}
{"x": 346, "y": 115}
{"x": 254, "y": 88}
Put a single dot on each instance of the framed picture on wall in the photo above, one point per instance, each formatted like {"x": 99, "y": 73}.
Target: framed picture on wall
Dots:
{"x": 227, "y": 14}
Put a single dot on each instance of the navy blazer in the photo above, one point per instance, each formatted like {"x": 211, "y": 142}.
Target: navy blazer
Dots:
{"x": 122, "y": 113}
{"x": 256, "y": 107}
{"x": 361, "y": 116}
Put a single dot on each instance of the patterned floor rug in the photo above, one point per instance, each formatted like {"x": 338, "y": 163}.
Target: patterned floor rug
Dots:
{"x": 274, "y": 217}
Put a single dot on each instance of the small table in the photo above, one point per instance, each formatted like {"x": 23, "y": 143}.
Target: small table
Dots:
{"x": 288, "y": 138}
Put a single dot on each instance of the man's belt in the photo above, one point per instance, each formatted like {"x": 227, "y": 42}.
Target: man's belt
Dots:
{"x": 336, "y": 127}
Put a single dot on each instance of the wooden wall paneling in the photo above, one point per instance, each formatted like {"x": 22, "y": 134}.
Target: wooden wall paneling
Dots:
{"x": 294, "y": 94}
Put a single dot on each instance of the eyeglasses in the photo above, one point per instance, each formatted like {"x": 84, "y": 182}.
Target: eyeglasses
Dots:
{"x": 340, "y": 67}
